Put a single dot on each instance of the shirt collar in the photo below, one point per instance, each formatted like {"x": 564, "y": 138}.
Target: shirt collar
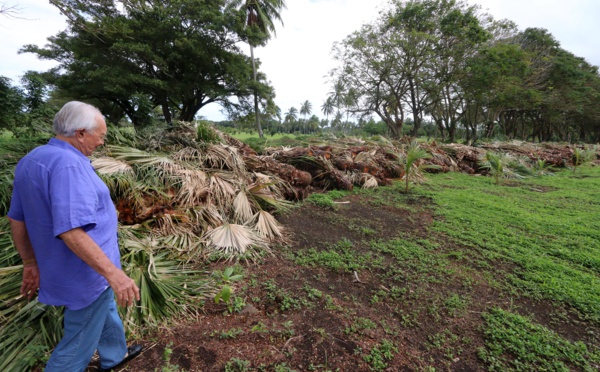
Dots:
{"x": 66, "y": 146}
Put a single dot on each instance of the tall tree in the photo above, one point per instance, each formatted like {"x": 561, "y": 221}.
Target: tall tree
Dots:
{"x": 305, "y": 110}
{"x": 327, "y": 107}
{"x": 12, "y": 101}
{"x": 131, "y": 56}
{"x": 259, "y": 15}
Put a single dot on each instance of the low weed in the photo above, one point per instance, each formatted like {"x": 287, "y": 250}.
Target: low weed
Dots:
{"x": 513, "y": 342}
{"x": 380, "y": 355}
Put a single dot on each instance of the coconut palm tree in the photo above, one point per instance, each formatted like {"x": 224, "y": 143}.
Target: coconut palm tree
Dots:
{"x": 305, "y": 110}
{"x": 260, "y": 15}
{"x": 327, "y": 107}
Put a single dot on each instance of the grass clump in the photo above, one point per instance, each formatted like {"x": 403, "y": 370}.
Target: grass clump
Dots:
{"x": 514, "y": 343}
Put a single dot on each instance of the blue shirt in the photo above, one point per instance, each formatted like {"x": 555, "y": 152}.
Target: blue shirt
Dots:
{"x": 56, "y": 190}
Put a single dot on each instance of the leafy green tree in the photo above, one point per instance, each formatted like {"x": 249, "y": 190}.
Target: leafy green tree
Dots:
{"x": 131, "y": 56}
{"x": 259, "y": 17}
{"x": 12, "y": 101}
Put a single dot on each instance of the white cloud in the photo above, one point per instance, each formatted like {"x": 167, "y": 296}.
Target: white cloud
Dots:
{"x": 298, "y": 59}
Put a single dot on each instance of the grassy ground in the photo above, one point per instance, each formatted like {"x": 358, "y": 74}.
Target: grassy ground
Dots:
{"x": 460, "y": 274}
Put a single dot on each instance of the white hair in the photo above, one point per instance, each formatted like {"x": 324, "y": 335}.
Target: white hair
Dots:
{"x": 75, "y": 115}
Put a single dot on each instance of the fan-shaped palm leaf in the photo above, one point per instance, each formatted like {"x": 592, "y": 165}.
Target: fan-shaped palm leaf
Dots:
{"x": 224, "y": 157}
{"x": 222, "y": 189}
{"x": 242, "y": 208}
{"x": 268, "y": 226}
{"x": 234, "y": 241}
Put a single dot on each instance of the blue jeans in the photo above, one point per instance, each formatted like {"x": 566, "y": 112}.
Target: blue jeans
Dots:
{"x": 96, "y": 327}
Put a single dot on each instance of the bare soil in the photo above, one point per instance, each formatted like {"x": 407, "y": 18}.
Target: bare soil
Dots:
{"x": 312, "y": 318}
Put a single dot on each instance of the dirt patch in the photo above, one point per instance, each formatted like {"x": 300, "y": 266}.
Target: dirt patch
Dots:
{"x": 386, "y": 314}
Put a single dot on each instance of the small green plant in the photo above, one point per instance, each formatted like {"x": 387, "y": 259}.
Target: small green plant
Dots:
{"x": 410, "y": 162}
{"x": 503, "y": 166}
{"x": 321, "y": 200}
{"x": 225, "y": 279}
{"x": 205, "y": 133}
{"x": 237, "y": 365}
{"x": 380, "y": 355}
{"x": 229, "y": 334}
{"x": 582, "y": 156}
{"x": 168, "y": 367}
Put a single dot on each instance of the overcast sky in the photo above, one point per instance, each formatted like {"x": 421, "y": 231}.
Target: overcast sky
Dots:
{"x": 298, "y": 59}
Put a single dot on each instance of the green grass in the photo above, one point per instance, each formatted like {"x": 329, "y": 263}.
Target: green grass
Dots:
{"x": 514, "y": 343}
{"x": 551, "y": 238}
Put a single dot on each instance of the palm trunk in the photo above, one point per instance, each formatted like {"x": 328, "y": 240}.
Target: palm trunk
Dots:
{"x": 258, "y": 127}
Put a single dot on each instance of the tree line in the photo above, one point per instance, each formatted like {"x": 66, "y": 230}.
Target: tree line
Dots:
{"x": 440, "y": 63}
{"x": 447, "y": 61}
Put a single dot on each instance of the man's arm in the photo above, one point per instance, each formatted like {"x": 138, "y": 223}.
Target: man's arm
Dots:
{"x": 31, "y": 274}
{"x": 85, "y": 248}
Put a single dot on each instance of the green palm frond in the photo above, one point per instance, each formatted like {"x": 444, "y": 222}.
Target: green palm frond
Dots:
{"x": 139, "y": 157}
{"x": 410, "y": 160}
{"x": 235, "y": 241}
{"x": 267, "y": 194}
{"x": 167, "y": 287}
{"x": 503, "y": 166}
{"x": 267, "y": 226}
{"x": 29, "y": 335}
{"x": 541, "y": 168}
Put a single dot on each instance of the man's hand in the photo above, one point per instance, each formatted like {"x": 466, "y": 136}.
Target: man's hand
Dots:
{"x": 31, "y": 281}
{"x": 125, "y": 289}
{"x": 85, "y": 248}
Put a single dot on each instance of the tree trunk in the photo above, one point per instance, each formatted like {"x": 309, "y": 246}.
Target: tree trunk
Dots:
{"x": 256, "y": 113}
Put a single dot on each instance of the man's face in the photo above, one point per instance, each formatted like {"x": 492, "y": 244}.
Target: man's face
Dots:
{"x": 91, "y": 140}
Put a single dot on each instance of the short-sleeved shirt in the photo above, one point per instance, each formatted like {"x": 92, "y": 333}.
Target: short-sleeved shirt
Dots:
{"x": 56, "y": 190}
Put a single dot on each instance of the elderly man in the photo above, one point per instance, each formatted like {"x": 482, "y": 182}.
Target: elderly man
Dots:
{"x": 64, "y": 226}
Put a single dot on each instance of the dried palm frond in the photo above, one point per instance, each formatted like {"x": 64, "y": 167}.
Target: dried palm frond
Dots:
{"x": 221, "y": 189}
{"x": 185, "y": 243}
{"x": 234, "y": 241}
{"x": 365, "y": 156}
{"x": 207, "y": 216}
{"x": 267, "y": 195}
{"x": 224, "y": 157}
{"x": 242, "y": 208}
{"x": 192, "y": 185}
{"x": 172, "y": 223}
{"x": 268, "y": 226}
{"x": 187, "y": 154}
{"x": 167, "y": 287}
{"x": 369, "y": 182}
{"x": 106, "y": 165}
